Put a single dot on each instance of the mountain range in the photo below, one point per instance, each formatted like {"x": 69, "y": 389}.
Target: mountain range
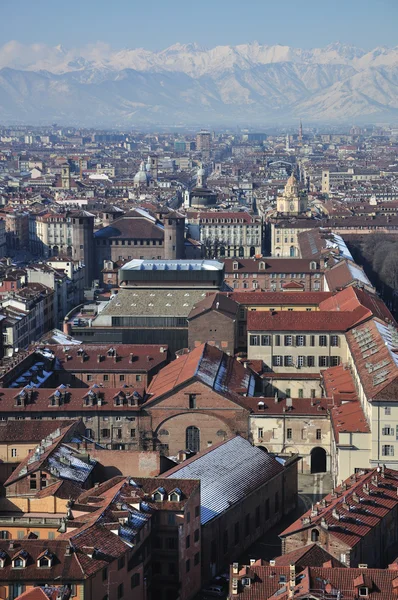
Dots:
{"x": 186, "y": 84}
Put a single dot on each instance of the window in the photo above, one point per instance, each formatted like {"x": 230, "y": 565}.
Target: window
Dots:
{"x": 247, "y": 525}
{"x": 257, "y": 517}
{"x": 197, "y": 559}
{"x": 301, "y": 361}
{"x": 277, "y": 340}
{"x": 363, "y": 591}
{"x": 289, "y": 433}
{"x": 33, "y": 482}
{"x": 89, "y": 377}
{"x": 121, "y": 377}
{"x": 138, "y": 377}
{"x": 277, "y": 361}
{"x": 192, "y": 439}
{"x": 387, "y": 430}
{"x": 120, "y": 591}
{"x": 254, "y": 340}
{"x": 121, "y": 563}
{"x": 132, "y": 433}
{"x": 314, "y": 535}
{"x": 236, "y": 533}
{"x": 260, "y": 433}
{"x": 387, "y": 450}
{"x": 323, "y": 340}
{"x": 300, "y": 340}
{"x": 192, "y": 400}
{"x": 106, "y": 377}
{"x": 266, "y": 340}
{"x": 318, "y": 434}
{"x": 187, "y": 566}
{"x": 288, "y": 361}
{"x": 267, "y": 509}
{"x": 343, "y": 558}
{"x": 334, "y": 361}
{"x": 301, "y": 393}
{"x": 197, "y": 511}
{"x": 313, "y": 393}
{"x": 105, "y": 433}
{"x": 187, "y": 541}
{"x": 135, "y": 580}
{"x": 104, "y": 574}
{"x": 196, "y": 535}
{"x": 323, "y": 361}
{"x": 310, "y": 361}
{"x": 288, "y": 340}
{"x": 387, "y": 410}
{"x": 312, "y": 337}
{"x": 225, "y": 542}
{"x": 334, "y": 340}
{"x": 13, "y": 452}
{"x": 288, "y": 393}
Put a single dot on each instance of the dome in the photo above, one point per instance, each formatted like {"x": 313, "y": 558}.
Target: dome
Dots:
{"x": 141, "y": 176}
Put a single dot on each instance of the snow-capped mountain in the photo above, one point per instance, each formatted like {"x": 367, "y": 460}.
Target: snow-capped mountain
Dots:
{"x": 249, "y": 83}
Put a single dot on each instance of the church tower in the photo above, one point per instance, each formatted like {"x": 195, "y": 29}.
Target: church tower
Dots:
{"x": 65, "y": 176}
{"x": 293, "y": 201}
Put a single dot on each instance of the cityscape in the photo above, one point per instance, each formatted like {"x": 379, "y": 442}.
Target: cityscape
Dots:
{"x": 198, "y": 301}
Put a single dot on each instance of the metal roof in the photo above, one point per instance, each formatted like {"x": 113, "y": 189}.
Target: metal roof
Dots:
{"x": 173, "y": 265}
{"x": 227, "y": 474}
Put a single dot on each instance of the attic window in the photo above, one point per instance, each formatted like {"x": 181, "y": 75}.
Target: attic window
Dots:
{"x": 158, "y": 496}
{"x": 175, "y": 496}
{"x": 363, "y": 592}
{"x": 262, "y": 266}
{"x": 282, "y": 578}
{"x": 44, "y": 562}
{"x": 235, "y": 266}
{"x": 313, "y": 265}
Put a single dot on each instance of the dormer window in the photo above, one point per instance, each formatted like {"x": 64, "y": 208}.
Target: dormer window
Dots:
{"x": 235, "y": 266}
{"x": 261, "y": 266}
{"x": 159, "y": 495}
{"x": 313, "y": 265}
{"x": 363, "y": 592}
{"x": 175, "y": 496}
{"x": 3, "y": 557}
{"x": 19, "y": 561}
{"x": 45, "y": 561}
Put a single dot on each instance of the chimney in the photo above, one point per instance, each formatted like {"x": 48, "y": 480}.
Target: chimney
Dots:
{"x": 235, "y": 568}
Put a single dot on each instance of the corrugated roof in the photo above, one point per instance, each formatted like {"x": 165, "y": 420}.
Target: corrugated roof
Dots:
{"x": 227, "y": 474}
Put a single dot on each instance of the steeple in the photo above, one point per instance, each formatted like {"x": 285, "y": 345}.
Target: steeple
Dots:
{"x": 300, "y": 135}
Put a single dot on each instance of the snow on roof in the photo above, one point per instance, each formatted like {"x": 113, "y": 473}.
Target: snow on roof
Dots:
{"x": 357, "y": 273}
{"x": 338, "y": 242}
{"x": 227, "y": 474}
{"x": 387, "y": 333}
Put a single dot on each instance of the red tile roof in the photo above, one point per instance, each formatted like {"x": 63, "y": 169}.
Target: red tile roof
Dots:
{"x": 203, "y": 363}
{"x": 353, "y": 509}
{"x": 129, "y": 357}
{"x": 305, "y": 321}
{"x": 280, "y": 298}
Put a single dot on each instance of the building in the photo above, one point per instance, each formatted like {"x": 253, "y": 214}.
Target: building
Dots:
{"x": 355, "y": 522}
{"x": 275, "y": 274}
{"x": 203, "y": 142}
{"x": 312, "y": 582}
{"x": 139, "y": 235}
{"x": 293, "y": 201}
{"x": 227, "y": 234}
{"x": 67, "y": 234}
{"x": 172, "y": 274}
{"x": 214, "y": 320}
{"x": 243, "y": 493}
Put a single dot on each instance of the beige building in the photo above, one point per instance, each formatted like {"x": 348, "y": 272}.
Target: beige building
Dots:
{"x": 293, "y": 426}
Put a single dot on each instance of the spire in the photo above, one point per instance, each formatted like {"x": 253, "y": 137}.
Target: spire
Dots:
{"x": 300, "y": 135}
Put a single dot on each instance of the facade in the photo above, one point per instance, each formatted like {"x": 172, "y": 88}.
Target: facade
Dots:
{"x": 139, "y": 235}
{"x": 68, "y": 234}
{"x": 275, "y": 274}
{"x": 293, "y": 201}
{"x": 230, "y": 234}
{"x": 214, "y": 320}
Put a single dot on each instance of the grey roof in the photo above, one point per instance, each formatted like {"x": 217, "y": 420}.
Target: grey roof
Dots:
{"x": 153, "y": 302}
{"x": 227, "y": 474}
{"x": 173, "y": 265}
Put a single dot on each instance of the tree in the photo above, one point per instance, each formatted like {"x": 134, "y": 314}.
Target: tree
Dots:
{"x": 389, "y": 274}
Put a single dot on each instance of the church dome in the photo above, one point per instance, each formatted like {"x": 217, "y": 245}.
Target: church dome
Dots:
{"x": 141, "y": 176}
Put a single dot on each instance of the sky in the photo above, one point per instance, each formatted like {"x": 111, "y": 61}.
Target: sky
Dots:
{"x": 157, "y": 24}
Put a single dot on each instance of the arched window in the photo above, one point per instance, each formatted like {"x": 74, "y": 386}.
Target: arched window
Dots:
{"x": 222, "y": 251}
{"x": 262, "y": 266}
{"x": 313, "y": 265}
{"x": 292, "y": 251}
{"x": 241, "y": 252}
{"x": 314, "y": 535}
{"x": 252, "y": 251}
{"x": 192, "y": 439}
